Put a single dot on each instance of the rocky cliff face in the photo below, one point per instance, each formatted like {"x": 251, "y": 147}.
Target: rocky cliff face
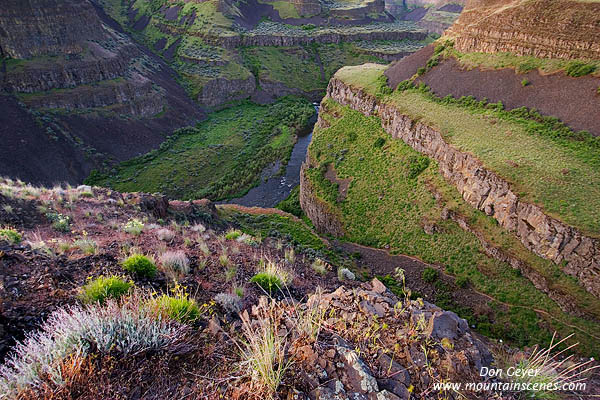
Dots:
{"x": 483, "y": 189}
{"x": 30, "y": 28}
{"x": 221, "y": 90}
{"x": 565, "y": 29}
{"x": 319, "y": 212}
{"x": 368, "y": 7}
{"x": 284, "y": 40}
{"x": 307, "y": 8}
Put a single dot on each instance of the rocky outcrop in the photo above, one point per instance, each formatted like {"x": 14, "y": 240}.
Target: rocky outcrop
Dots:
{"x": 307, "y": 8}
{"x": 564, "y": 29}
{"x": 486, "y": 191}
{"x": 320, "y": 213}
{"x": 99, "y": 64}
{"x": 562, "y": 298}
{"x": 222, "y": 90}
{"x": 393, "y": 365}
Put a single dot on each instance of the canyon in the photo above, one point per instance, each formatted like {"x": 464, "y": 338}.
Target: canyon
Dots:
{"x": 482, "y": 188}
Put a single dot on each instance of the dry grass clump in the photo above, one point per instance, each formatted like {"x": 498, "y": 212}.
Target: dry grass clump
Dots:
{"x": 175, "y": 264}
{"x": 264, "y": 349}
{"x": 165, "y": 235}
{"x": 551, "y": 371}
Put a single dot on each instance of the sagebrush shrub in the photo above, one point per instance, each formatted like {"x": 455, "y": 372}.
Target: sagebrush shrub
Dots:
{"x": 128, "y": 327}
{"x": 140, "y": 265}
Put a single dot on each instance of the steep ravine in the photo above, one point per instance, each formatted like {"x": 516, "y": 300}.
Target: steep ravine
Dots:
{"x": 578, "y": 254}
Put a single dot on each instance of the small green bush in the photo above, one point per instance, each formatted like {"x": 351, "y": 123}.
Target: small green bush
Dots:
{"x": 10, "y": 235}
{"x": 379, "y": 142}
{"x": 140, "y": 265}
{"x": 269, "y": 282}
{"x": 233, "y": 234}
{"x": 579, "y": 68}
{"x": 179, "y": 307}
{"x": 525, "y": 82}
{"x": 102, "y": 288}
{"x": 430, "y": 275}
{"x": 462, "y": 281}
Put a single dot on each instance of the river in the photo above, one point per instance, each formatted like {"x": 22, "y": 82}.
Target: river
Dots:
{"x": 274, "y": 187}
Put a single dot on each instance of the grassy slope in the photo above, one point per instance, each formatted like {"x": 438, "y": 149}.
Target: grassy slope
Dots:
{"x": 222, "y": 157}
{"x": 561, "y": 175}
{"x": 384, "y": 189}
{"x": 296, "y": 67}
{"x": 519, "y": 63}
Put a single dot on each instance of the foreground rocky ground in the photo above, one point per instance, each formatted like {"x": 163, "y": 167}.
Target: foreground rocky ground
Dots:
{"x": 201, "y": 326}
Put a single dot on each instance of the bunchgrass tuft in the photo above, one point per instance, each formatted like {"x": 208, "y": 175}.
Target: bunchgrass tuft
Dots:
{"x": 165, "y": 234}
{"x": 87, "y": 246}
{"x": 271, "y": 276}
{"x": 233, "y": 234}
{"x": 320, "y": 266}
{"x": 264, "y": 350}
{"x": 179, "y": 306}
{"x": 175, "y": 264}
{"x": 551, "y": 371}
{"x": 103, "y": 288}
{"x": 140, "y": 265}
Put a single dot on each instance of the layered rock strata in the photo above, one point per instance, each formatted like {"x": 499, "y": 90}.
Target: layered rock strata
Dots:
{"x": 578, "y": 254}
{"x": 565, "y": 29}
{"x": 253, "y": 39}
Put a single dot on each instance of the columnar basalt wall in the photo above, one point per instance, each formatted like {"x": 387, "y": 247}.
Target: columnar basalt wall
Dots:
{"x": 483, "y": 189}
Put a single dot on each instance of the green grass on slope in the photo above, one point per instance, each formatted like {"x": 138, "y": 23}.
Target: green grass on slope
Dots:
{"x": 524, "y": 64}
{"x": 220, "y": 158}
{"x": 546, "y": 163}
{"x": 387, "y": 203}
{"x": 278, "y": 226}
{"x": 297, "y": 66}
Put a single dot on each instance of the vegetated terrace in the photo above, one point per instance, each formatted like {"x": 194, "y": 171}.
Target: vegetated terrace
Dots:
{"x": 560, "y": 173}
